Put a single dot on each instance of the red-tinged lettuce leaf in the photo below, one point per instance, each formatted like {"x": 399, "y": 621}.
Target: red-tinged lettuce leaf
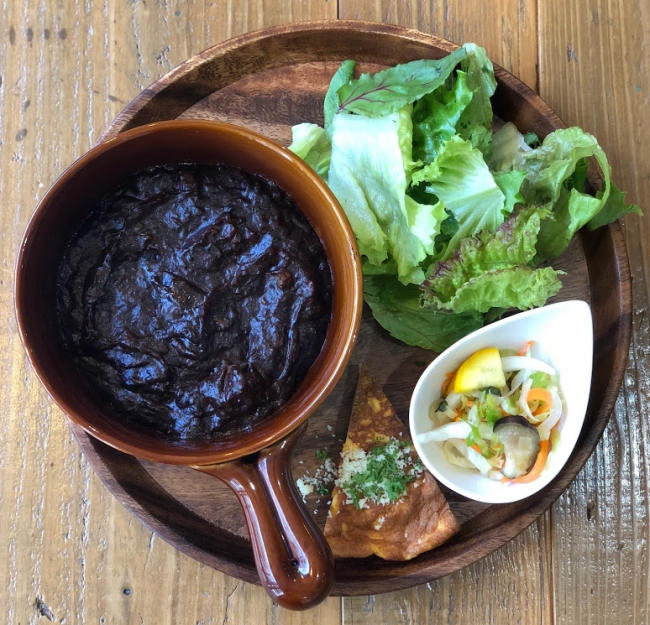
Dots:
{"x": 342, "y": 76}
{"x": 491, "y": 270}
{"x": 397, "y": 309}
{"x": 376, "y": 95}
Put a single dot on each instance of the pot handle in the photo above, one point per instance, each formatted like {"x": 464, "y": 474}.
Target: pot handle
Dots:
{"x": 293, "y": 560}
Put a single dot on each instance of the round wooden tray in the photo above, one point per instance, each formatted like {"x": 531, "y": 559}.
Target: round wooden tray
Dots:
{"x": 268, "y": 81}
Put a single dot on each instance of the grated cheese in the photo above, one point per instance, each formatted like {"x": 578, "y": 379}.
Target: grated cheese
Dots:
{"x": 321, "y": 482}
{"x": 380, "y": 476}
{"x": 305, "y": 489}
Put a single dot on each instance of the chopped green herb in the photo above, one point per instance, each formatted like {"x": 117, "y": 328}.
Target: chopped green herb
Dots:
{"x": 382, "y": 475}
{"x": 322, "y": 454}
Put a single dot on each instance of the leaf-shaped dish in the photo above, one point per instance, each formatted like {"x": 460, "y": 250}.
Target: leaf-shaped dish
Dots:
{"x": 563, "y": 338}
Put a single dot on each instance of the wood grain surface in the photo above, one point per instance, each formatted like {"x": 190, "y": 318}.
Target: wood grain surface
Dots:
{"x": 70, "y": 553}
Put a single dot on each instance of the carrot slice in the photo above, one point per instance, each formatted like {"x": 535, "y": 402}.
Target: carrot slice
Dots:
{"x": 525, "y": 348}
{"x": 448, "y": 384}
{"x": 543, "y": 396}
{"x": 536, "y": 471}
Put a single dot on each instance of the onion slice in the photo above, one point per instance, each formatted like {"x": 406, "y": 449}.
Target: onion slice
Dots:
{"x": 453, "y": 400}
{"x": 453, "y": 448}
{"x": 456, "y": 429}
{"x": 523, "y": 401}
{"x": 550, "y": 422}
{"x": 456, "y": 455}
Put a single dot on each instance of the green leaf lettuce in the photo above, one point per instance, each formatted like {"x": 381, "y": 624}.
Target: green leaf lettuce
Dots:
{"x": 436, "y": 115}
{"x": 614, "y": 208}
{"x": 460, "y": 178}
{"x": 311, "y": 144}
{"x": 368, "y": 175}
{"x": 397, "y": 309}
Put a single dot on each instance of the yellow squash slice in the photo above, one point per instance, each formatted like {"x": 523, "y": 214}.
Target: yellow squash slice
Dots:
{"x": 480, "y": 370}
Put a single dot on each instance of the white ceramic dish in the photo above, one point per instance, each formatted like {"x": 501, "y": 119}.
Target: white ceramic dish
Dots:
{"x": 563, "y": 335}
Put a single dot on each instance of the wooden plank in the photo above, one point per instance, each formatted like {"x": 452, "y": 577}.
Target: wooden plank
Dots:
{"x": 593, "y": 71}
{"x": 72, "y": 553}
{"x": 507, "y": 29}
{"x": 482, "y": 593}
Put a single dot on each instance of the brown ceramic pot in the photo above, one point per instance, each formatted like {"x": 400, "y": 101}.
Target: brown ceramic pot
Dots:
{"x": 293, "y": 559}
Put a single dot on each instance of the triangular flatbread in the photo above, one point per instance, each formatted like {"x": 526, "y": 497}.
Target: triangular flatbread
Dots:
{"x": 418, "y": 521}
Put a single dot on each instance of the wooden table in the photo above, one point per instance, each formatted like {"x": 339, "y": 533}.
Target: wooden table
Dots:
{"x": 70, "y": 553}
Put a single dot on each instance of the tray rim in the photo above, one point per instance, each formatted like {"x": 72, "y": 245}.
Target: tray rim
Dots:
{"x": 478, "y": 546}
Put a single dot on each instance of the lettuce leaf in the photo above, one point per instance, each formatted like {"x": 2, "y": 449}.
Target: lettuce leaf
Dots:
{"x": 376, "y": 95}
{"x": 491, "y": 270}
{"x": 388, "y": 267}
{"x": 614, "y": 208}
{"x": 510, "y": 184}
{"x": 405, "y": 140}
{"x": 508, "y": 148}
{"x": 475, "y": 122}
{"x": 460, "y": 178}
{"x": 311, "y": 143}
{"x": 556, "y": 174}
{"x": 572, "y": 211}
{"x": 342, "y": 76}
{"x": 461, "y": 106}
{"x": 513, "y": 244}
{"x": 368, "y": 176}
{"x": 516, "y": 287}
{"x": 397, "y": 309}
{"x": 555, "y": 161}
{"x": 425, "y": 221}
{"x": 435, "y": 117}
